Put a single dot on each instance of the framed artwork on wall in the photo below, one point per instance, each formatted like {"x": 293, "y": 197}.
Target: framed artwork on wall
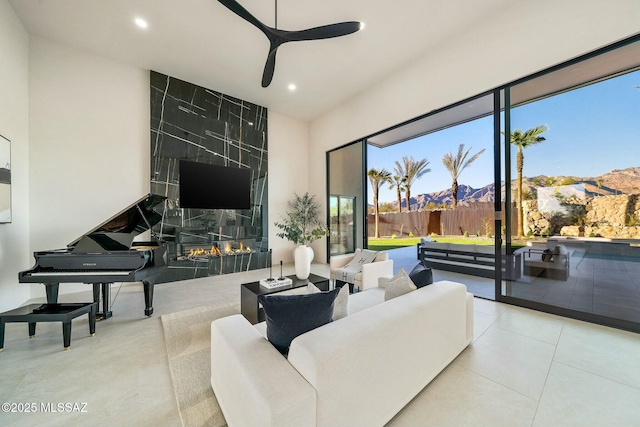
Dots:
{"x": 5, "y": 180}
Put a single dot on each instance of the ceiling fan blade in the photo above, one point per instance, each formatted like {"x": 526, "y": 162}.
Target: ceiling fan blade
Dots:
{"x": 269, "y": 66}
{"x": 243, "y": 13}
{"x": 323, "y": 32}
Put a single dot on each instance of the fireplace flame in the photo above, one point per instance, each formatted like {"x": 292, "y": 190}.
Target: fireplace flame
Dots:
{"x": 216, "y": 252}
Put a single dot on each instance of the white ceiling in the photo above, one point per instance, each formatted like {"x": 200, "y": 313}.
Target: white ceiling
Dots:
{"x": 202, "y": 42}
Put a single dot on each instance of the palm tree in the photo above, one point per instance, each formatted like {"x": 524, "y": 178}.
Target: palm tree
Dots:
{"x": 455, "y": 165}
{"x": 397, "y": 182}
{"x": 411, "y": 170}
{"x": 377, "y": 178}
{"x": 523, "y": 140}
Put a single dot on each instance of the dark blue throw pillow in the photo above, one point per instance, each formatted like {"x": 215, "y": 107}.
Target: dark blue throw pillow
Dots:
{"x": 421, "y": 275}
{"x": 288, "y": 316}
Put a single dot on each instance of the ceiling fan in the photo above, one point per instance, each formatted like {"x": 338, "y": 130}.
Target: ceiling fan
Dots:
{"x": 277, "y": 37}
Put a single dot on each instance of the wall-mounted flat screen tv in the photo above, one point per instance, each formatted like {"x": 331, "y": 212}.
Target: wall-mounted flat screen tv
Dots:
{"x": 205, "y": 186}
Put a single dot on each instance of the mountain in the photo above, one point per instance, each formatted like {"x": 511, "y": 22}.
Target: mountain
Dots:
{"x": 617, "y": 181}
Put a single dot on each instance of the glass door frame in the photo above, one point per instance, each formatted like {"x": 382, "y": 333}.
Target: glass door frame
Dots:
{"x": 362, "y": 221}
{"x": 507, "y": 162}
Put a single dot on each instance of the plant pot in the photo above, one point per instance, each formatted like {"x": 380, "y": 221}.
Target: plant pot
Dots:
{"x": 302, "y": 257}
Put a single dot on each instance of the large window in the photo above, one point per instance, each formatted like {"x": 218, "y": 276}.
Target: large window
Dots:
{"x": 575, "y": 185}
{"x": 562, "y": 188}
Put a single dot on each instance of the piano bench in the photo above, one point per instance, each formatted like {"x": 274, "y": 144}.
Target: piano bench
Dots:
{"x": 64, "y": 313}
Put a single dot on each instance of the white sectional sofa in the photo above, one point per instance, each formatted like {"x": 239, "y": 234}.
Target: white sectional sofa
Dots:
{"x": 360, "y": 370}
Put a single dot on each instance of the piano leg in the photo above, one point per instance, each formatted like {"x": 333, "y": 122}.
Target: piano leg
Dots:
{"x": 96, "y": 294}
{"x": 52, "y": 292}
{"x": 148, "y": 297}
{"x": 105, "y": 314}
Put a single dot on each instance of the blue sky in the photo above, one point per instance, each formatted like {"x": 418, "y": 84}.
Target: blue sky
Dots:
{"x": 584, "y": 125}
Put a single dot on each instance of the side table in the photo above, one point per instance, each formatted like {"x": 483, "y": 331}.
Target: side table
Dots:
{"x": 64, "y": 313}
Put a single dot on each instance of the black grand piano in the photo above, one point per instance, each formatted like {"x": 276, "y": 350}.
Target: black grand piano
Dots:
{"x": 105, "y": 255}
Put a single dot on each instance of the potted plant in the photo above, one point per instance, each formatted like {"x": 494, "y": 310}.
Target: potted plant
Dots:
{"x": 302, "y": 226}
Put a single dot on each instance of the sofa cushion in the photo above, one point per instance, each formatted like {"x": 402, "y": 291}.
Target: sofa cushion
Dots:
{"x": 560, "y": 250}
{"x": 436, "y": 245}
{"x": 365, "y": 299}
{"x": 463, "y": 248}
{"x": 341, "y": 303}
{"x": 400, "y": 284}
{"x": 288, "y": 316}
{"x": 424, "y": 240}
{"x": 421, "y": 275}
{"x": 485, "y": 249}
{"x": 560, "y": 254}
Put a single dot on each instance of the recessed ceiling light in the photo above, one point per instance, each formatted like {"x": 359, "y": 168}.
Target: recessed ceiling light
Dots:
{"x": 292, "y": 87}
{"x": 362, "y": 26}
{"x": 141, "y": 23}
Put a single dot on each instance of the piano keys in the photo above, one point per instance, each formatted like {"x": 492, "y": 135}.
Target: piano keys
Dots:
{"x": 105, "y": 255}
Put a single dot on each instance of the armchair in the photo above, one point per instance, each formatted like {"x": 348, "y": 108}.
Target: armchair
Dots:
{"x": 368, "y": 277}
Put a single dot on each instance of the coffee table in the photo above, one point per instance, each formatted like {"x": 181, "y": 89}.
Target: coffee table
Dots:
{"x": 249, "y": 293}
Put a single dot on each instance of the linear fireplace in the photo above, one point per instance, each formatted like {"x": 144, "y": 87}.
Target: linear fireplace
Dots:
{"x": 189, "y": 125}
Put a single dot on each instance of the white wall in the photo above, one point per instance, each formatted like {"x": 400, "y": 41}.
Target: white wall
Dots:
{"x": 288, "y": 174}
{"x": 528, "y": 37}
{"x": 89, "y": 143}
{"x": 14, "y": 124}
{"x": 89, "y": 133}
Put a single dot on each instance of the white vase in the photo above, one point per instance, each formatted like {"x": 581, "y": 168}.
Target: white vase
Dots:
{"x": 302, "y": 257}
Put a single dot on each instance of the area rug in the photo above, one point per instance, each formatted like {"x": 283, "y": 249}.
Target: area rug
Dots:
{"x": 187, "y": 335}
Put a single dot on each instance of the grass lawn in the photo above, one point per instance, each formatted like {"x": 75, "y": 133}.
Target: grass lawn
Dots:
{"x": 383, "y": 244}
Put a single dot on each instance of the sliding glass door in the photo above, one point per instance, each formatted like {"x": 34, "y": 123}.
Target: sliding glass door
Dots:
{"x": 346, "y": 170}
{"x": 574, "y": 163}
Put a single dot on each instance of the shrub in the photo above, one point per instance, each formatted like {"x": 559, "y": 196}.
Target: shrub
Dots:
{"x": 433, "y": 234}
{"x": 466, "y": 234}
{"x": 393, "y": 236}
{"x": 489, "y": 235}
{"x": 478, "y": 233}
{"x": 592, "y": 234}
{"x": 411, "y": 234}
{"x": 529, "y": 233}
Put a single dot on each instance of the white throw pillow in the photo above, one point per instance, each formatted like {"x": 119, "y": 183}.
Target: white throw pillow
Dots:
{"x": 340, "y": 304}
{"x": 400, "y": 284}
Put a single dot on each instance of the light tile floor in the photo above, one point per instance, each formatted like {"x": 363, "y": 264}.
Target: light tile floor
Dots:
{"x": 524, "y": 368}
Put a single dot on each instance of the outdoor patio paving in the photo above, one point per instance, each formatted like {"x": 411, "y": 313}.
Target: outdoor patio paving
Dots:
{"x": 601, "y": 284}
{"x": 407, "y": 258}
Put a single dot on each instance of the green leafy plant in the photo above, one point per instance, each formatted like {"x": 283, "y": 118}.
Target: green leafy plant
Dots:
{"x": 592, "y": 234}
{"x": 478, "y": 233}
{"x": 466, "y": 234}
{"x": 393, "y": 236}
{"x": 302, "y": 224}
{"x": 489, "y": 235}
{"x": 411, "y": 234}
